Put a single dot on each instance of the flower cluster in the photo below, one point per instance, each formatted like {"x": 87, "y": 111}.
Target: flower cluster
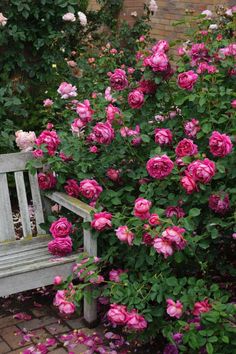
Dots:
{"x": 62, "y": 243}
{"x": 118, "y": 315}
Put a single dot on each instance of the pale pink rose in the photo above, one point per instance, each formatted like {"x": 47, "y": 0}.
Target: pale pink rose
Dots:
{"x": 112, "y": 112}
{"x": 220, "y": 144}
{"x": 67, "y": 90}
{"x": 91, "y": 60}
{"x": 234, "y": 235}
{"x": 174, "y": 236}
{"x": 57, "y": 280}
{"x": 148, "y": 87}
{"x": 219, "y": 203}
{"x": 163, "y": 136}
{"x": 72, "y": 188}
{"x": 136, "y": 321}
{"x": 191, "y": 128}
{"x": 82, "y": 19}
{"x": 77, "y": 125}
{"x": 163, "y": 247}
{"x": 186, "y": 147}
{"x": 159, "y": 118}
{"x": 113, "y": 51}
{"x": 3, "y": 20}
{"x": 213, "y": 27}
{"x": 158, "y": 62}
{"x": 233, "y": 104}
{"x": 108, "y": 96}
{"x": 46, "y": 180}
{"x": 103, "y": 133}
{"x": 141, "y": 208}
{"x": 61, "y": 228}
{"x": 113, "y": 175}
{"x": 174, "y": 309}
{"x": 50, "y": 139}
{"x": 189, "y": 183}
{"x": 48, "y": 102}
{"x": 125, "y": 235}
{"x": 101, "y": 221}
{"x": 202, "y": 170}
{"x": 142, "y": 38}
{"x": 131, "y": 71}
{"x": 90, "y": 189}
{"x": 25, "y": 140}
{"x": 69, "y": 17}
{"x": 229, "y": 12}
{"x": 117, "y": 314}
{"x": 56, "y": 208}
{"x": 159, "y": 167}
{"x": 201, "y": 307}
{"x": 38, "y": 153}
{"x": 118, "y": 80}
{"x": 187, "y": 80}
{"x": 153, "y": 6}
{"x": 84, "y": 111}
{"x": 67, "y": 308}
{"x": 207, "y": 13}
{"x": 114, "y": 275}
{"x": 154, "y": 220}
{"x": 60, "y": 246}
{"x": 174, "y": 211}
{"x": 161, "y": 46}
{"x": 136, "y": 99}
{"x": 71, "y": 63}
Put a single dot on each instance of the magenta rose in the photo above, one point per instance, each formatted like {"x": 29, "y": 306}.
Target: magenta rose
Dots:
{"x": 117, "y": 314}
{"x": 114, "y": 275}
{"x": 159, "y": 167}
{"x": 186, "y": 147}
{"x": 136, "y": 99}
{"x": 90, "y": 189}
{"x": 187, "y": 80}
{"x": 189, "y": 183}
{"x": 50, "y": 139}
{"x": 174, "y": 211}
{"x": 148, "y": 87}
{"x": 219, "y": 203}
{"x": 103, "y": 133}
{"x": 141, "y": 208}
{"x": 84, "y": 111}
{"x": 233, "y": 104}
{"x": 135, "y": 321}
{"x": 72, "y": 188}
{"x": 161, "y": 46}
{"x": 46, "y": 181}
{"x": 147, "y": 239}
{"x": 154, "y": 220}
{"x": 163, "y": 136}
{"x": 61, "y": 228}
{"x": 101, "y": 221}
{"x": 163, "y": 246}
{"x": 118, "y": 80}
{"x": 201, "y": 307}
{"x": 191, "y": 128}
{"x": 159, "y": 62}
{"x": 220, "y": 144}
{"x": 60, "y": 246}
{"x": 174, "y": 236}
{"x": 113, "y": 175}
{"x": 202, "y": 170}
{"x": 125, "y": 235}
{"x": 112, "y": 112}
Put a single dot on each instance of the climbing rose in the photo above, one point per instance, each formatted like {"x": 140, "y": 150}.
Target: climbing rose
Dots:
{"x": 66, "y": 90}
{"x": 233, "y": 104}
{"x": 72, "y": 188}
{"x": 136, "y": 99}
{"x": 163, "y": 136}
{"x": 60, "y": 246}
{"x": 158, "y": 62}
{"x": 153, "y": 6}
{"x": 46, "y": 181}
{"x": 220, "y": 144}
{"x": 159, "y": 167}
{"x": 188, "y": 183}
{"x": 201, "y": 307}
{"x": 174, "y": 236}
{"x": 25, "y": 140}
{"x": 118, "y": 80}
{"x": 82, "y": 18}
{"x": 161, "y": 46}
{"x": 112, "y": 112}
{"x": 50, "y": 139}
{"x": 135, "y": 321}
{"x": 101, "y": 221}
{"x": 103, "y": 133}
{"x": 84, "y": 111}
{"x": 60, "y": 228}
{"x": 174, "y": 309}
{"x": 142, "y": 207}
{"x": 174, "y": 211}
{"x": 90, "y": 189}
{"x": 117, "y": 314}
{"x": 219, "y": 203}
{"x": 154, "y": 220}
{"x": 186, "y": 147}
{"x": 202, "y": 170}
{"x": 114, "y": 275}
{"x": 48, "y": 102}
{"x": 113, "y": 175}
{"x": 125, "y": 235}
{"x": 191, "y": 128}
{"x": 69, "y": 16}
{"x": 163, "y": 246}
{"x": 187, "y": 80}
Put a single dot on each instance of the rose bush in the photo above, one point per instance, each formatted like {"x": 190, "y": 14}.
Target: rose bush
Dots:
{"x": 158, "y": 168}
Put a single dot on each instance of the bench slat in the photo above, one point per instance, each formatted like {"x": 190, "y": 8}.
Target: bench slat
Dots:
{"x": 37, "y": 202}
{"x": 14, "y": 162}
{"x": 14, "y": 247}
{"x": 7, "y": 231}
{"x": 23, "y": 203}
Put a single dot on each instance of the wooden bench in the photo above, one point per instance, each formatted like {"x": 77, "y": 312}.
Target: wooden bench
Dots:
{"x": 26, "y": 263}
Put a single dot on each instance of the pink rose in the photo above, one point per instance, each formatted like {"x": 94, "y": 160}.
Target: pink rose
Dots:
{"x": 118, "y": 80}
{"x": 60, "y": 246}
{"x": 61, "y": 228}
{"x": 163, "y": 247}
{"x": 233, "y": 104}
{"x": 48, "y": 102}
{"x": 49, "y": 126}
{"x": 76, "y": 125}
{"x": 38, "y": 153}
{"x": 117, "y": 314}
{"x": 113, "y": 175}
{"x": 174, "y": 211}
{"x": 174, "y": 309}
{"x": 46, "y": 181}
{"x": 163, "y": 136}
{"x": 125, "y": 235}
{"x": 187, "y": 80}
{"x": 154, "y": 220}
{"x": 148, "y": 87}
{"x": 136, "y": 321}
{"x": 3, "y": 20}
{"x": 174, "y": 236}
{"x": 158, "y": 62}
{"x": 57, "y": 280}
{"x": 220, "y": 144}
{"x": 90, "y": 189}
{"x": 67, "y": 90}
{"x": 64, "y": 157}
{"x": 50, "y": 139}
{"x": 71, "y": 63}
{"x": 112, "y": 112}
{"x": 108, "y": 96}
{"x": 161, "y": 46}
{"x": 103, "y": 133}
{"x": 25, "y": 140}
{"x": 159, "y": 167}
{"x": 84, "y": 111}
{"x": 202, "y": 170}
{"x": 72, "y": 188}
{"x": 188, "y": 183}
{"x": 67, "y": 308}
{"x": 136, "y": 99}
{"x": 147, "y": 239}
{"x": 141, "y": 208}
{"x": 201, "y": 307}
{"x": 191, "y": 128}
{"x": 186, "y": 147}
{"x": 93, "y": 149}
{"x": 69, "y": 17}
{"x": 219, "y": 203}
{"x": 59, "y": 297}
{"x": 114, "y": 275}
{"x": 102, "y": 221}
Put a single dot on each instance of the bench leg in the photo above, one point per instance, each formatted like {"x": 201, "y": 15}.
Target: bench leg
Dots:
{"x": 90, "y": 311}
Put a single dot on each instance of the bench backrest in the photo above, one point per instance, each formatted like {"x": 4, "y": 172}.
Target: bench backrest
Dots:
{"x": 15, "y": 163}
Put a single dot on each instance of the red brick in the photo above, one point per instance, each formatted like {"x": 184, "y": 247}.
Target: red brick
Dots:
{"x": 10, "y": 337}
{"x": 4, "y": 348}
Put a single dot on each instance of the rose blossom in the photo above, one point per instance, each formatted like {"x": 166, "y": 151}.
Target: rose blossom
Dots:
{"x": 50, "y": 139}
{"x": 174, "y": 236}
{"x": 141, "y": 208}
{"x": 66, "y": 90}
{"x": 103, "y": 133}
{"x": 49, "y": 126}
{"x": 57, "y": 280}
{"x": 177, "y": 337}
{"x": 159, "y": 167}
{"x": 219, "y": 203}
{"x": 135, "y": 321}
{"x": 60, "y": 246}
{"x": 186, "y": 147}
{"x": 101, "y": 221}
{"x": 163, "y": 136}
{"x": 191, "y": 128}
{"x": 202, "y": 170}
{"x": 38, "y": 153}
{"x": 220, "y": 144}
{"x": 112, "y": 112}
{"x": 161, "y": 46}
{"x": 61, "y": 228}
{"x": 90, "y": 189}
{"x": 25, "y": 140}
{"x": 153, "y": 6}
{"x": 76, "y": 126}
{"x": 201, "y": 307}
{"x": 93, "y": 149}
{"x": 163, "y": 247}
{"x": 113, "y": 175}
{"x": 158, "y": 62}
{"x": 114, "y": 275}
{"x": 188, "y": 183}
{"x": 154, "y": 220}
{"x": 174, "y": 211}
{"x": 118, "y": 80}
{"x": 72, "y": 188}
{"x": 82, "y": 18}
{"x": 207, "y": 13}
{"x": 67, "y": 308}
{"x": 233, "y": 104}
{"x": 174, "y": 309}
{"x": 3, "y": 20}
{"x": 117, "y": 314}
{"x": 136, "y": 99}
{"x": 46, "y": 181}
{"x": 187, "y": 80}
{"x": 124, "y": 234}
{"x": 48, "y": 102}
{"x": 108, "y": 96}
{"x": 69, "y": 16}
{"x": 84, "y": 111}
{"x": 147, "y": 239}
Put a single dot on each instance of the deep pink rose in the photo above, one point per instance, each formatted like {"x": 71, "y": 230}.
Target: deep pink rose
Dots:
{"x": 158, "y": 62}
{"x": 163, "y": 136}
{"x": 189, "y": 183}
{"x": 67, "y": 308}
{"x": 154, "y": 220}
{"x": 219, "y": 203}
{"x": 72, "y": 188}
{"x": 135, "y": 321}
{"x": 161, "y": 46}
{"x": 66, "y": 90}
{"x": 148, "y": 87}
{"x": 141, "y": 208}
{"x": 57, "y": 280}
{"x": 147, "y": 239}
{"x": 202, "y": 170}
{"x": 159, "y": 167}
{"x": 125, "y": 235}
{"x": 114, "y": 275}
{"x": 103, "y": 133}
{"x": 38, "y": 153}
{"x": 136, "y": 99}
{"x": 60, "y": 246}
{"x": 233, "y": 104}
{"x": 61, "y": 228}
{"x": 90, "y": 189}
{"x": 174, "y": 236}
{"x": 187, "y": 80}
{"x": 191, "y": 128}
{"x": 201, "y": 307}
{"x": 117, "y": 314}
{"x": 174, "y": 211}
{"x": 112, "y": 112}
{"x": 163, "y": 246}
{"x": 46, "y": 180}
{"x": 76, "y": 125}
{"x": 93, "y": 149}
{"x": 220, "y": 144}
{"x": 102, "y": 221}
{"x": 113, "y": 175}
{"x": 118, "y": 80}
{"x": 84, "y": 111}
{"x": 59, "y": 297}
{"x": 186, "y": 147}
{"x": 174, "y": 309}
{"x": 50, "y": 139}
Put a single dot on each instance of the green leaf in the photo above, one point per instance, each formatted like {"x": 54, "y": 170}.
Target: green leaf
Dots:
{"x": 194, "y": 212}
{"x": 209, "y": 348}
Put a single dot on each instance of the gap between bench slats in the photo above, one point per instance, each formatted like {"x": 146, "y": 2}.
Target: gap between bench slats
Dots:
{"x": 37, "y": 202}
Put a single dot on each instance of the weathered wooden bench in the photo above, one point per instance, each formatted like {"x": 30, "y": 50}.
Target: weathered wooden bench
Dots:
{"x": 26, "y": 263}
